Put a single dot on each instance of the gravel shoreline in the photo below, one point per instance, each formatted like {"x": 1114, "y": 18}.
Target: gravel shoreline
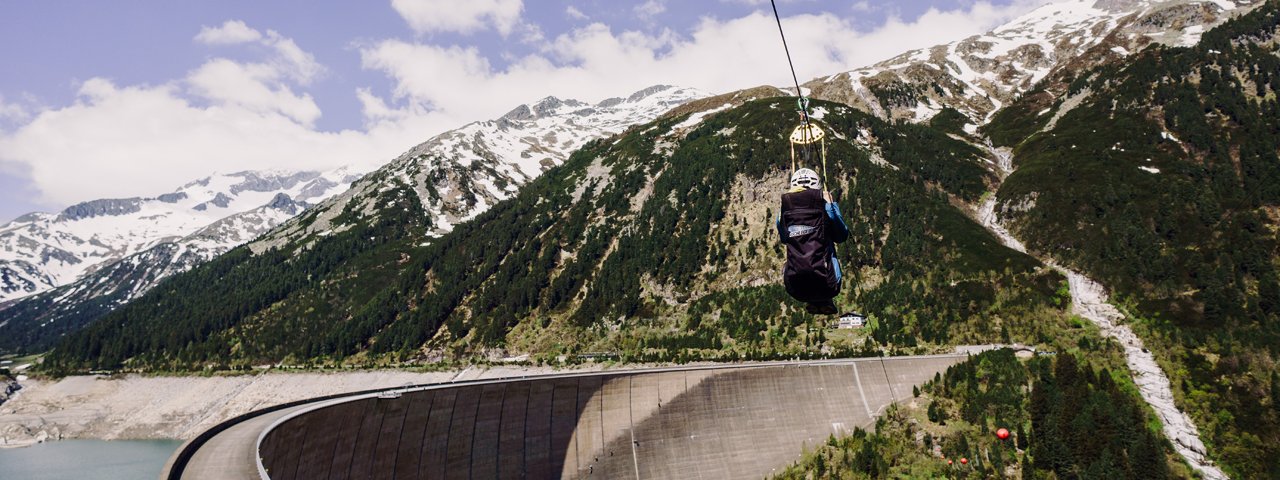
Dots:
{"x": 137, "y": 407}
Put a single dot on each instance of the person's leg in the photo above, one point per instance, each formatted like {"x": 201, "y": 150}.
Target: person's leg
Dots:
{"x": 827, "y": 307}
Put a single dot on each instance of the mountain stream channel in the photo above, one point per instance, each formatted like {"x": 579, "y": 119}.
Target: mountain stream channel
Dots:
{"x": 1089, "y": 300}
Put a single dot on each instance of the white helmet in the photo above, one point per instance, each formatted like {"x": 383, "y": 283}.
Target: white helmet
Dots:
{"x": 805, "y": 178}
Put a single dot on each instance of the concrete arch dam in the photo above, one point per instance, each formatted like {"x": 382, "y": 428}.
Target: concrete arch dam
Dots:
{"x": 723, "y": 421}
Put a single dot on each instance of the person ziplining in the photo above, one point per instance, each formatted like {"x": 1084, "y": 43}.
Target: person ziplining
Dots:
{"x": 809, "y": 222}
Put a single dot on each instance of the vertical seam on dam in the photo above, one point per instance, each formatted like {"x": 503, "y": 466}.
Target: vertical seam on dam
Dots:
{"x": 471, "y": 465}
{"x": 858, "y": 380}
{"x": 888, "y": 381}
{"x": 631, "y": 424}
{"x": 425, "y": 429}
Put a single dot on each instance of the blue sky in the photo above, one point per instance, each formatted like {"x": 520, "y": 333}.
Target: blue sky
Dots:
{"x": 124, "y": 98}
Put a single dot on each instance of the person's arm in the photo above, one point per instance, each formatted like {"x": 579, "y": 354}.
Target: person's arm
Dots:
{"x": 782, "y": 233}
{"x": 840, "y": 231}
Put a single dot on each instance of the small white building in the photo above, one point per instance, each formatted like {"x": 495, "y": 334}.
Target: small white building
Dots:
{"x": 852, "y": 320}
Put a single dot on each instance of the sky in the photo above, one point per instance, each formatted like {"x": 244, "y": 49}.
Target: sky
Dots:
{"x": 137, "y": 97}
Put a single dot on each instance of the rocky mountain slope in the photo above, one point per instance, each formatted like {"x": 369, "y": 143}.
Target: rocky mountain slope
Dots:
{"x": 978, "y": 75}
{"x": 461, "y": 173}
{"x": 458, "y": 174}
{"x": 42, "y": 251}
{"x": 32, "y": 323}
{"x": 1157, "y": 177}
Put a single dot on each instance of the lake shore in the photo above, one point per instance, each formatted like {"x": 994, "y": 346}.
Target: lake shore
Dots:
{"x": 138, "y": 407}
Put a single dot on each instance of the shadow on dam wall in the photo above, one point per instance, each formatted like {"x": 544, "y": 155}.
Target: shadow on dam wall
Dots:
{"x": 731, "y": 422}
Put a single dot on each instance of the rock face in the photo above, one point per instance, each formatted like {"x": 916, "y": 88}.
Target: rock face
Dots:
{"x": 98, "y": 208}
{"x": 980, "y": 74}
{"x": 462, "y": 172}
{"x": 8, "y": 386}
{"x": 41, "y": 251}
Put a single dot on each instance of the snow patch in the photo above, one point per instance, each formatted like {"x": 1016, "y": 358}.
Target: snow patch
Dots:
{"x": 1223, "y": 4}
{"x": 1191, "y": 36}
{"x": 696, "y": 118}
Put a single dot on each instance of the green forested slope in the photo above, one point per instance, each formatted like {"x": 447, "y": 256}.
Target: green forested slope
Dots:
{"x": 1164, "y": 184}
{"x": 209, "y": 317}
{"x": 1066, "y": 420}
{"x": 658, "y": 244}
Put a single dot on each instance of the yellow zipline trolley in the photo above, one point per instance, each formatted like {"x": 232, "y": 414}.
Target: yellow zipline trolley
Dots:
{"x": 806, "y": 137}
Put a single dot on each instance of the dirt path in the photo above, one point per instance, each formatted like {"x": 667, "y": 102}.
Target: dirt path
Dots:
{"x": 1089, "y": 300}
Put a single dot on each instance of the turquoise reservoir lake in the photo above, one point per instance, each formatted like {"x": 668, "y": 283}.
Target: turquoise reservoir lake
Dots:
{"x": 87, "y": 460}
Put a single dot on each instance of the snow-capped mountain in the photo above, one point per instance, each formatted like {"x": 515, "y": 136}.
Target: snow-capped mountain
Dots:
{"x": 35, "y": 320}
{"x": 41, "y": 251}
{"x": 980, "y": 74}
{"x": 461, "y": 173}
{"x": 457, "y": 175}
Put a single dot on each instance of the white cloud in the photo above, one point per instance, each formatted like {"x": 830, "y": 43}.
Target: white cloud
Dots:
{"x": 574, "y": 13}
{"x": 595, "y": 62}
{"x": 254, "y": 87}
{"x": 231, "y": 32}
{"x": 763, "y": 2}
{"x": 262, "y": 87}
{"x": 12, "y": 112}
{"x": 650, "y": 9}
{"x": 146, "y": 139}
{"x": 292, "y": 61}
{"x": 229, "y": 115}
{"x": 428, "y": 16}
{"x": 287, "y": 60}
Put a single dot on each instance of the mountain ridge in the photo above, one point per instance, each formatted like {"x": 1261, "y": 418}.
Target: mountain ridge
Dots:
{"x": 458, "y": 174}
{"x": 41, "y": 251}
{"x": 978, "y": 75}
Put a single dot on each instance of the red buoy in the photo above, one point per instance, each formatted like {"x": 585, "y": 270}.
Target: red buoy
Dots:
{"x": 964, "y": 460}
{"x": 1002, "y": 433}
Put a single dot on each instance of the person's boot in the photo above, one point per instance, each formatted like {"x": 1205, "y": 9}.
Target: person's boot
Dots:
{"x": 822, "y": 308}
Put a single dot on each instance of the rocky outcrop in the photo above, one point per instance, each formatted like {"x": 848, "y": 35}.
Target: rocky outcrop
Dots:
{"x": 460, "y": 173}
{"x": 8, "y": 387}
{"x": 43, "y": 251}
{"x": 255, "y": 182}
{"x": 979, "y": 75}
{"x": 98, "y": 208}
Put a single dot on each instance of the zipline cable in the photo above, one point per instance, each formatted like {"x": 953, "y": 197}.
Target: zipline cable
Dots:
{"x": 802, "y": 102}
{"x": 794, "y": 78}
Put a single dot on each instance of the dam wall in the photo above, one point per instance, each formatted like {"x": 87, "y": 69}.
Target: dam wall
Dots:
{"x": 726, "y": 421}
